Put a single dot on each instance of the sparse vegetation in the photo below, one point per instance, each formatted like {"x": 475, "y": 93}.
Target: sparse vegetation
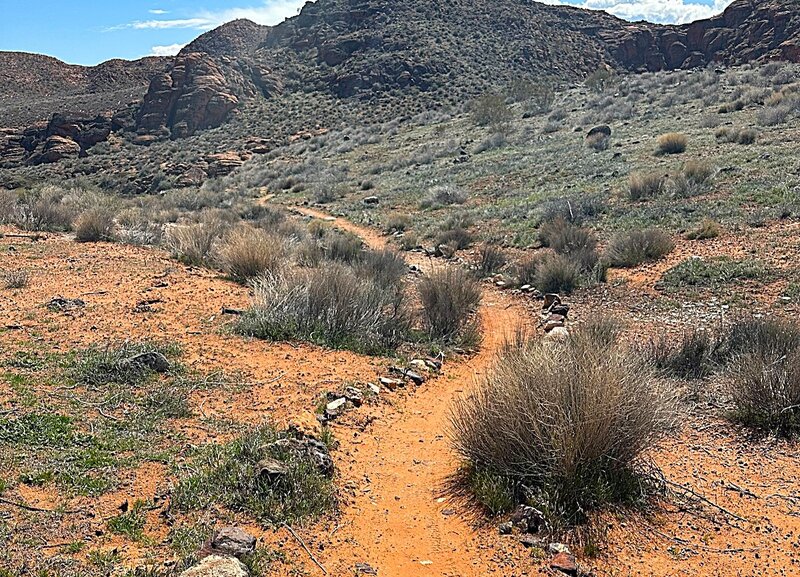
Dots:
{"x": 638, "y": 246}
{"x": 711, "y": 273}
{"x": 671, "y": 143}
{"x": 450, "y": 298}
{"x": 645, "y": 185}
{"x": 562, "y": 425}
{"x": 246, "y": 253}
{"x": 95, "y": 224}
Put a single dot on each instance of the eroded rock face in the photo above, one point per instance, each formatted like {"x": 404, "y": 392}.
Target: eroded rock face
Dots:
{"x": 54, "y": 149}
{"x": 193, "y": 95}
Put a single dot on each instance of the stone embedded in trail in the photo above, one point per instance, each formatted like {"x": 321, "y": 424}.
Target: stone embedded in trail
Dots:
{"x": 551, "y": 299}
{"x": 335, "y": 408}
{"x": 217, "y": 566}
{"x": 556, "y": 548}
{"x": 528, "y": 519}
{"x": 506, "y": 528}
{"x": 560, "y": 309}
{"x": 233, "y": 541}
{"x": 354, "y": 395}
{"x": 60, "y": 304}
{"x": 391, "y": 384}
{"x": 374, "y": 388}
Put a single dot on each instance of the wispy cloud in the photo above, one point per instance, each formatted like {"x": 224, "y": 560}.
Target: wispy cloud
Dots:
{"x": 158, "y": 12}
{"x": 269, "y": 12}
{"x": 664, "y": 11}
{"x": 168, "y": 50}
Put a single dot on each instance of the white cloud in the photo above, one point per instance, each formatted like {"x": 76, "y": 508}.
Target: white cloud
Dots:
{"x": 169, "y": 50}
{"x": 158, "y": 12}
{"x": 664, "y": 11}
{"x": 269, "y": 12}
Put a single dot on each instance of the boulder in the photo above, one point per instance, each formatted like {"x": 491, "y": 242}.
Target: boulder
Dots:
{"x": 223, "y": 163}
{"x": 271, "y": 470}
{"x": 56, "y": 148}
{"x": 217, "y": 566}
{"x": 603, "y": 129}
{"x": 565, "y": 563}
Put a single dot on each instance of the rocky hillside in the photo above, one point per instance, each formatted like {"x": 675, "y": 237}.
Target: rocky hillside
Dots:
{"x": 377, "y": 60}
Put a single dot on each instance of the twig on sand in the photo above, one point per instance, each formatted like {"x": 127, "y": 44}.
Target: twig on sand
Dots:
{"x": 305, "y": 548}
{"x": 36, "y": 509}
{"x": 699, "y": 497}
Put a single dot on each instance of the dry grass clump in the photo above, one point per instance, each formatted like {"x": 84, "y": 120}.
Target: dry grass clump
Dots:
{"x": 635, "y": 247}
{"x": 598, "y": 141}
{"x": 556, "y": 273}
{"x": 15, "y": 279}
{"x": 330, "y": 305}
{"x": 193, "y": 243}
{"x": 562, "y": 425}
{"x": 45, "y": 209}
{"x": 736, "y": 135}
{"x": 96, "y": 224}
{"x": 643, "y": 185}
{"x": 491, "y": 259}
{"x": 707, "y": 229}
{"x": 671, "y": 143}
{"x": 765, "y": 375}
{"x": 573, "y": 242}
{"x": 247, "y": 252}
{"x": 450, "y": 298}
{"x": 444, "y": 195}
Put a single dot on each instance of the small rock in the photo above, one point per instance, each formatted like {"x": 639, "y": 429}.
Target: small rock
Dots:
{"x": 336, "y": 407}
{"x": 153, "y": 360}
{"x": 530, "y": 541}
{"x": 556, "y": 548}
{"x": 525, "y": 288}
{"x": 365, "y": 569}
{"x": 527, "y": 519}
{"x": 60, "y": 304}
{"x": 551, "y": 299}
{"x": 374, "y": 388}
{"x": 557, "y": 334}
{"x": 313, "y": 449}
{"x": 560, "y": 309}
{"x": 506, "y": 528}
{"x": 371, "y": 201}
{"x": 552, "y": 325}
{"x": 564, "y": 562}
{"x": 354, "y": 395}
{"x": 217, "y": 566}
{"x": 415, "y": 377}
{"x": 603, "y": 129}
{"x": 391, "y": 384}
{"x": 305, "y": 425}
{"x": 233, "y": 541}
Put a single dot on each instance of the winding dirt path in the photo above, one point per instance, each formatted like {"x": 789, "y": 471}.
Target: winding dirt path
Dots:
{"x": 399, "y": 521}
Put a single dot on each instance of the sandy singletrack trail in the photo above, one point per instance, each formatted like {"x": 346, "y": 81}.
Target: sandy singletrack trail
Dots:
{"x": 399, "y": 520}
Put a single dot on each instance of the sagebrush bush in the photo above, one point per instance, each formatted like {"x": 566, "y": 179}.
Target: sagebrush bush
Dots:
{"x": 491, "y": 259}
{"x": 693, "y": 358}
{"x": 194, "y": 243}
{"x": 15, "y": 279}
{"x": 671, "y": 143}
{"x": 765, "y": 375}
{"x": 246, "y": 252}
{"x": 491, "y": 110}
{"x": 635, "y": 247}
{"x": 736, "y": 135}
{"x": 45, "y": 209}
{"x": 444, "y": 195}
{"x": 330, "y": 305}
{"x": 386, "y": 268}
{"x": 96, "y": 224}
{"x": 557, "y": 273}
{"x": 575, "y": 243}
{"x": 707, "y": 229}
{"x": 643, "y": 185}
{"x": 450, "y": 299}
{"x": 565, "y": 423}
{"x": 598, "y": 142}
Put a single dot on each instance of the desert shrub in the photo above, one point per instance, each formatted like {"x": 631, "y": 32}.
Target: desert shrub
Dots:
{"x": 491, "y": 110}
{"x": 193, "y": 243}
{"x": 707, "y": 229}
{"x": 444, "y": 195}
{"x": 576, "y": 243}
{"x": 397, "y": 223}
{"x": 565, "y": 424}
{"x": 386, "y": 268}
{"x": 329, "y": 305}
{"x": 698, "y": 171}
{"x": 524, "y": 271}
{"x": 711, "y": 273}
{"x": 247, "y": 252}
{"x": 599, "y": 80}
{"x": 45, "y": 209}
{"x": 491, "y": 259}
{"x": 575, "y": 210}
{"x": 557, "y": 273}
{"x": 693, "y": 358}
{"x": 457, "y": 237}
{"x": 736, "y": 135}
{"x": 643, "y": 185}
{"x": 342, "y": 247}
{"x": 492, "y": 142}
{"x": 138, "y": 227}
{"x": 95, "y": 224}
{"x": 671, "y": 143}
{"x": 15, "y": 279}
{"x": 230, "y": 475}
{"x": 121, "y": 363}
{"x": 598, "y": 141}
{"x": 8, "y": 205}
{"x": 773, "y": 115}
{"x": 765, "y": 377}
{"x": 632, "y": 248}
{"x": 450, "y": 298}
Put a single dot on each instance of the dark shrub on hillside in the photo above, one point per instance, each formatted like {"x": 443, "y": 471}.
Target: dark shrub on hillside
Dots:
{"x": 491, "y": 110}
{"x": 563, "y": 425}
{"x": 556, "y": 273}
{"x": 635, "y": 247}
{"x": 450, "y": 299}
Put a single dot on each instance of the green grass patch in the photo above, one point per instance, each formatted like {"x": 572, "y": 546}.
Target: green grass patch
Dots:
{"x": 714, "y": 273}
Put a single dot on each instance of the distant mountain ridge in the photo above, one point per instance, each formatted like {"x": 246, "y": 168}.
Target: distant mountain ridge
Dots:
{"x": 376, "y": 58}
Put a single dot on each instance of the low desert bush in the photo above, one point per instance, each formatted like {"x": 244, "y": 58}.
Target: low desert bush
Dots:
{"x": 598, "y": 142}
{"x": 450, "y": 299}
{"x": 693, "y": 358}
{"x": 765, "y": 378}
{"x": 713, "y": 273}
{"x": 194, "y": 243}
{"x": 445, "y": 195}
{"x": 491, "y": 259}
{"x": 563, "y": 425}
{"x": 632, "y": 248}
{"x": 330, "y": 305}
{"x": 246, "y": 252}
{"x": 491, "y": 110}
{"x": 130, "y": 363}
{"x": 232, "y": 475}
{"x": 556, "y": 273}
{"x": 386, "y": 268}
{"x": 643, "y": 185}
{"x": 45, "y": 209}
{"x": 15, "y": 279}
{"x": 736, "y": 135}
{"x": 707, "y": 229}
{"x": 577, "y": 244}
{"x": 95, "y": 224}
{"x": 397, "y": 223}
{"x": 342, "y": 247}
{"x": 671, "y": 143}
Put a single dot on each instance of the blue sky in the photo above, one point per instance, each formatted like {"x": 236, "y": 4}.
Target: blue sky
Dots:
{"x": 91, "y": 31}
